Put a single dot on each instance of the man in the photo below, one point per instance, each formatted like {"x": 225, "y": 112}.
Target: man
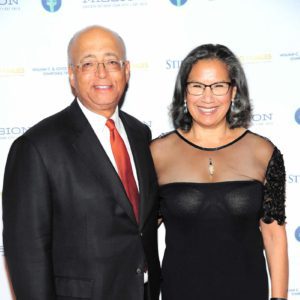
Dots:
{"x": 73, "y": 228}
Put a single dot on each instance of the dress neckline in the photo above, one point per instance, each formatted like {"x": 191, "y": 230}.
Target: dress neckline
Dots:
{"x": 215, "y": 148}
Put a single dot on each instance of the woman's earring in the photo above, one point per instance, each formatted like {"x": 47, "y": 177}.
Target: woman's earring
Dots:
{"x": 185, "y": 107}
{"x": 232, "y": 105}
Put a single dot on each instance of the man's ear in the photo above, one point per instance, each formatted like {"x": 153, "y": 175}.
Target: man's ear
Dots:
{"x": 127, "y": 70}
{"x": 72, "y": 79}
{"x": 71, "y": 75}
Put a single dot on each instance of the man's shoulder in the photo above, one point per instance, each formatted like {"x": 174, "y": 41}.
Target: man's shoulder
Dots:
{"x": 49, "y": 125}
{"x": 57, "y": 127}
{"x": 131, "y": 119}
{"x": 134, "y": 126}
{"x": 44, "y": 135}
{"x": 133, "y": 122}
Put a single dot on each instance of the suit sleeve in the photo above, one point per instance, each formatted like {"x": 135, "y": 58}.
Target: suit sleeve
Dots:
{"x": 149, "y": 133}
{"x": 27, "y": 223}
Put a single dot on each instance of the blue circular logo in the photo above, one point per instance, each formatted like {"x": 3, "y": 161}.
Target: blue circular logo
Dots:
{"x": 297, "y": 234}
{"x": 297, "y": 115}
{"x": 178, "y": 2}
{"x": 51, "y": 5}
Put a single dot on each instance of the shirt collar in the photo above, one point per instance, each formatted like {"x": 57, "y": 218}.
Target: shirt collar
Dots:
{"x": 98, "y": 119}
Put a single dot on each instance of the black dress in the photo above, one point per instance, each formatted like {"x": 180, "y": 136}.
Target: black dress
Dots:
{"x": 214, "y": 247}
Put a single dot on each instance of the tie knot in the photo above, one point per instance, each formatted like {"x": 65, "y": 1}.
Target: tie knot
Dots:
{"x": 110, "y": 124}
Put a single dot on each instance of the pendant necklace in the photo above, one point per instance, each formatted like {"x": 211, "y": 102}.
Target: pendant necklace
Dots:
{"x": 211, "y": 168}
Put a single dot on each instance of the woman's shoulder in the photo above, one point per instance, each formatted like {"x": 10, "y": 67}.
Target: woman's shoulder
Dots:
{"x": 261, "y": 145}
{"x": 163, "y": 142}
{"x": 259, "y": 139}
{"x": 164, "y": 138}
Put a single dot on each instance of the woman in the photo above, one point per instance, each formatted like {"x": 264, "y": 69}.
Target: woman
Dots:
{"x": 222, "y": 188}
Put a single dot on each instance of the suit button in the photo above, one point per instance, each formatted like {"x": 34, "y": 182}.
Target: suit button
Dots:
{"x": 141, "y": 234}
{"x": 138, "y": 271}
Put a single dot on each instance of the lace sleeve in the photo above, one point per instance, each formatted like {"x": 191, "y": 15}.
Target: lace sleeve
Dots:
{"x": 274, "y": 190}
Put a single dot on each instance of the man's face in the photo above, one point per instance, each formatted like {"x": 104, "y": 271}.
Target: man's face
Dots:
{"x": 100, "y": 91}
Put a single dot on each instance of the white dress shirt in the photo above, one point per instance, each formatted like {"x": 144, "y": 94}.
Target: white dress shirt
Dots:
{"x": 103, "y": 134}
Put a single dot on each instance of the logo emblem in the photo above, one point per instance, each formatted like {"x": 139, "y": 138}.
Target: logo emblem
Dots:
{"x": 178, "y": 2}
{"x": 297, "y": 115}
{"x": 297, "y": 234}
{"x": 51, "y": 5}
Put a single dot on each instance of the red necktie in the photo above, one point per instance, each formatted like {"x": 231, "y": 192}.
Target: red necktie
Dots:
{"x": 124, "y": 166}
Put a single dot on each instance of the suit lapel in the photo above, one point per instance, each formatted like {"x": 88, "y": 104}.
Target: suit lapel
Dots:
{"x": 95, "y": 158}
{"x": 140, "y": 156}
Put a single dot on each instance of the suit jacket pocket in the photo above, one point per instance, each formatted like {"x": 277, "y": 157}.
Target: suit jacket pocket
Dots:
{"x": 74, "y": 287}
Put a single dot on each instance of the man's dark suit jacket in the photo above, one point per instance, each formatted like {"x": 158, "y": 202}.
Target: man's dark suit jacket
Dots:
{"x": 69, "y": 230}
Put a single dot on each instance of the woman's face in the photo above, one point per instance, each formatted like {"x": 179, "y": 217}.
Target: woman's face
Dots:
{"x": 210, "y": 108}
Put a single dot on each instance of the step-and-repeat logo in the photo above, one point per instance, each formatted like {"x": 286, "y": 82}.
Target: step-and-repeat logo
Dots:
{"x": 173, "y": 64}
{"x": 297, "y": 234}
{"x": 292, "y": 55}
{"x": 113, "y": 3}
{"x": 256, "y": 58}
{"x": 262, "y": 118}
{"x": 11, "y": 71}
{"x": 51, "y": 5}
{"x": 178, "y": 2}
{"x": 9, "y": 5}
{"x": 12, "y": 132}
{"x": 297, "y": 115}
{"x": 293, "y": 178}
{"x": 51, "y": 70}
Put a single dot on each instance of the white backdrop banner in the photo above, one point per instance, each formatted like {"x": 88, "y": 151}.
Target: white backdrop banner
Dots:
{"x": 158, "y": 35}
